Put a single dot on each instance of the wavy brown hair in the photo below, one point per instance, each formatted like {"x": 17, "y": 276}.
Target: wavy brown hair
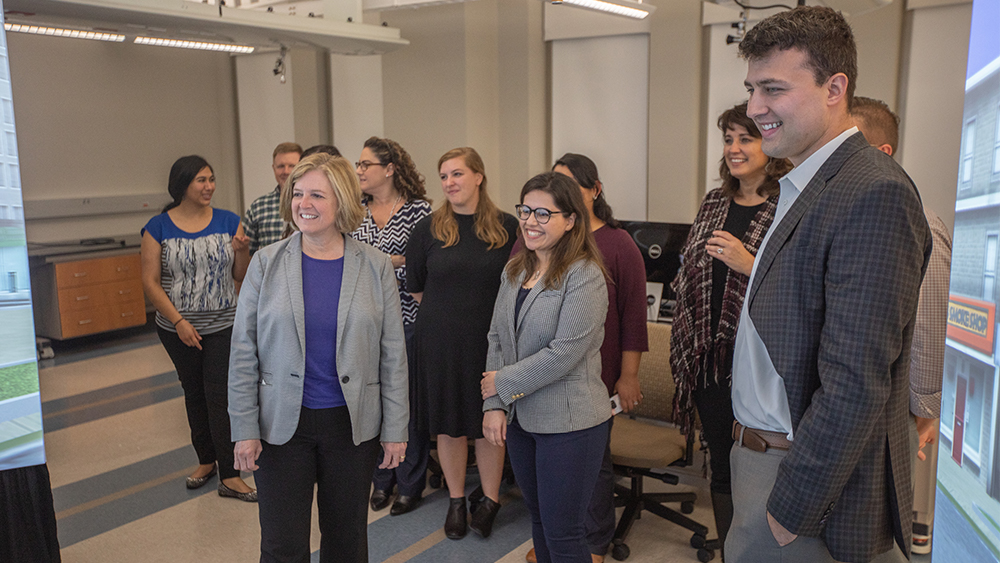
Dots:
{"x": 488, "y": 217}
{"x": 405, "y": 178}
{"x": 576, "y": 244}
{"x": 773, "y": 170}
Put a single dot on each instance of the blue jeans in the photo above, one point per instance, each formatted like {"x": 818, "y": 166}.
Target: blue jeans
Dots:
{"x": 557, "y": 474}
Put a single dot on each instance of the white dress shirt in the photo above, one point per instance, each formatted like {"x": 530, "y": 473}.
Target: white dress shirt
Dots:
{"x": 759, "y": 399}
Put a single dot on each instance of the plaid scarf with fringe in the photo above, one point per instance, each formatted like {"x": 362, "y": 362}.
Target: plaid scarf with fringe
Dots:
{"x": 694, "y": 350}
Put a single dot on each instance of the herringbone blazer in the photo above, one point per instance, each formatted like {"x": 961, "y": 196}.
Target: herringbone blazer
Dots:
{"x": 834, "y": 300}
{"x": 548, "y": 360}
{"x": 268, "y": 356}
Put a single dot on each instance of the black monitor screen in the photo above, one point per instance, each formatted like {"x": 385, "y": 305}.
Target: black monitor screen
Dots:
{"x": 661, "y": 245}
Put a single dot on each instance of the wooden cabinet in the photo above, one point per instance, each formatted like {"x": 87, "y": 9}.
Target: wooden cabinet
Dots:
{"x": 75, "y": 297}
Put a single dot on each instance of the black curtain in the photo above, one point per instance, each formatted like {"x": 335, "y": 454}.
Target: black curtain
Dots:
{"x": 27, "y": 516}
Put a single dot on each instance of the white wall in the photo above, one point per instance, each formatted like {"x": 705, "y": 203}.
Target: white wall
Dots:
{"x": 267, "y": 117}
{"x": 932, "y": 94}
{"x": 107, "y": 119}
{"x": 600, "y": 108}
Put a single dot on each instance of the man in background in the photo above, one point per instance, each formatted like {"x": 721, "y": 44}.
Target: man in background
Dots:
{"x": 881, "y": 127}
{"x": 262, "y": 223}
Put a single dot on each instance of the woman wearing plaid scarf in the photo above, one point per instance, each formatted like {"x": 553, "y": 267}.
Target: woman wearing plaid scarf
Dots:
{"x": 718, "y": 258}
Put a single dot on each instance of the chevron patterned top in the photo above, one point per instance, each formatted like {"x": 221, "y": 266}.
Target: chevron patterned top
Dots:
{"x": 392, "y": 239}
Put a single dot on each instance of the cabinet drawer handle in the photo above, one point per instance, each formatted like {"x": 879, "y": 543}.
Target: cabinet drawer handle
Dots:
{"x": 79, "y": 274}
{"x": 128, "y": 314}
{"x": 124, "y": 291}
{"x": 86, "y": 321}
{"x": 82, "y": 297}
{"x": 123, "y": 268}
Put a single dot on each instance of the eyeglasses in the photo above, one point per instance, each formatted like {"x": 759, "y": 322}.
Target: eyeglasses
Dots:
{"x": 542, "y": 215}
{"x": 364, "y": 164}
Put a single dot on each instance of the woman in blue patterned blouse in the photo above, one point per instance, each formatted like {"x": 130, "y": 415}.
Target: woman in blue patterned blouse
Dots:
{"x": 395, "y": 199}
{"x": 192, "y": 255}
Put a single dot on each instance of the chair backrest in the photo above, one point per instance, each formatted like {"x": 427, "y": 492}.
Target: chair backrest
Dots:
{"x": 655, "y": 378}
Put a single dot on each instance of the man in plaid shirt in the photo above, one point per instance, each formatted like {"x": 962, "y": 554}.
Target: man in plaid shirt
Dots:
{"x": 263, "y": 223}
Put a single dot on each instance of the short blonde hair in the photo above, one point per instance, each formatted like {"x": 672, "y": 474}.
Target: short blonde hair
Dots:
{"x": 343, "y": 180}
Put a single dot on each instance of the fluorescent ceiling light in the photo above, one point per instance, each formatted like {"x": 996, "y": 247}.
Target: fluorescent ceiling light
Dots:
{"x": 627, "y": 8}
{"x": 59, "y": 32}
{"x": 202, "y": 45}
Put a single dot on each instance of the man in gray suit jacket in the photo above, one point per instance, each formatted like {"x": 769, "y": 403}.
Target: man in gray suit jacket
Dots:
{"x": 820, "y": 374}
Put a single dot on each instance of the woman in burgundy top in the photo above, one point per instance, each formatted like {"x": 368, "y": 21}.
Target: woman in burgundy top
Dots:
{"x": 624, "y": 331}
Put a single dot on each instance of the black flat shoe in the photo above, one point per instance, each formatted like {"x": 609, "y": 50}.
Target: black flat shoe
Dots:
{"x": 455, "y": 523}
{"x": 404, "y": 504}
{"x": 225, "y": 491}
{"x": 198, "y": 482}
{"x": 483, "y": 517}
{"x": 379, "y": 500}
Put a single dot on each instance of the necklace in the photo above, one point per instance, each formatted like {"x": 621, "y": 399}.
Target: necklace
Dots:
{"x": 536, "y": 275}
{"x": 381, "y": 232}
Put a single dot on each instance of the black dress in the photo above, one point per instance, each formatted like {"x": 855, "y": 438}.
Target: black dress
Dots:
{"x": 459, "y": 286}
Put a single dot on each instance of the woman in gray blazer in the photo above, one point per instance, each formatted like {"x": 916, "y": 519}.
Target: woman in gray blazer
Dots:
{"x": 318, "y": 374}
{"x": 542, "y": 390}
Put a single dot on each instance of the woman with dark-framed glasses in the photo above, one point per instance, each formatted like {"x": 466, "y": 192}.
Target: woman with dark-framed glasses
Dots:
{"x": 542, "y": 388}
{"x": 395, "y": 200}
{"x": 453, "y": 264}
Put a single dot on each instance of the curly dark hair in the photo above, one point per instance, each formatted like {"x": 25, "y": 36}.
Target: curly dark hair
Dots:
{"x": 407, "y": 179}
{"x": 775, "y": 168}
{"x": 821, "y": 33}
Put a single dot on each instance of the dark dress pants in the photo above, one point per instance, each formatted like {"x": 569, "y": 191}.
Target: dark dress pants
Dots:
{"x": 321, "y": 453}
{"x": 553, "y": 471}
{"x": 411, "y": 474}
{"x": 601, "y": 513}
{"x": 204, "y": 376}
{"x": 715, "y": 409}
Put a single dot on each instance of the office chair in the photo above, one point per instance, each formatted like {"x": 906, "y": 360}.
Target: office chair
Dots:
{"x": 642, "y": 446}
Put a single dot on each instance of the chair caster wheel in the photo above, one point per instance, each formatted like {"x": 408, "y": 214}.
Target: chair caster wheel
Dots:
{"x": 435, "y": 481}
{"x": 698, "y": 541}
{"x": 620, "y": 552}
{"x": 687, "y": 507}
{"x": 705, "y": 555}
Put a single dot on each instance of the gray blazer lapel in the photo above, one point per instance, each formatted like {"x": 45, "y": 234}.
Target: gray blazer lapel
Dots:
{"x": 532, "y": 294}
{"x": 352, "y": 269}
{"x": 293, "y": 276}
{"x": 809, "y": 196}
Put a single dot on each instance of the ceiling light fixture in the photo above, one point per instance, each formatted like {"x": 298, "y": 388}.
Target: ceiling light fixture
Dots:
{"x": 202, "y": 45}
{"x": 628, "y": 8}
{"x": 59, "y": 32}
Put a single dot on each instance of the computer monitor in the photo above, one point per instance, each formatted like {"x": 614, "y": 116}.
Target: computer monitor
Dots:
{"x": 660, "y": 245}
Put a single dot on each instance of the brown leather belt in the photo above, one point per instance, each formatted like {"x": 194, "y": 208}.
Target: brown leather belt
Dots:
{"x": 759, "y": 440}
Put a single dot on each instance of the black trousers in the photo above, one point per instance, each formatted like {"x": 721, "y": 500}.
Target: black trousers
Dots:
{"x": 321, "y": 453}
{"x": 27, "y": 516}
{"x": 204, "y": 376}
{"x": 411, "y": 474}
{"x": 601, "y": 512}
{"x": 715, "y": 408}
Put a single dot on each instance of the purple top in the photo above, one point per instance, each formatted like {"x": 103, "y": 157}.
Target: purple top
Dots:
{"x": 625, "y": 325}
{"x": 321, "y": 281}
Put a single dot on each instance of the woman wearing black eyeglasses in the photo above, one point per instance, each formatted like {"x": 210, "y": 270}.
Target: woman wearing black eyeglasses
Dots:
{"x": 395, "y": 201}
{"x": 543, "y": 394}
{"x": 453, "y": 264}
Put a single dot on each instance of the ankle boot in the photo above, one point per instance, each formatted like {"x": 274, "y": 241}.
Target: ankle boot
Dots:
{"x": 722, "y": 506}
{"x": 483, "y": 516}
{"x": 455, "y": 523}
